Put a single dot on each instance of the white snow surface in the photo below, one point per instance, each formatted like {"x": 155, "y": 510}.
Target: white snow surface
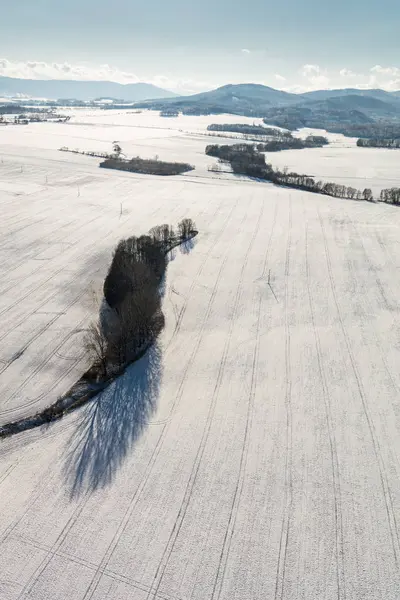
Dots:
{"x": 254, "y": 452}
{"x": 342, "y": 162}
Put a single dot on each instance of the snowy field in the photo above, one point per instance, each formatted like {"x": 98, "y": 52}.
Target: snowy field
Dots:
{"x": 184, "y": 138}
{"x": 254, "y": 452}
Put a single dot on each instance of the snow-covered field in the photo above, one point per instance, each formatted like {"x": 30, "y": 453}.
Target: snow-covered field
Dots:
{"x": 343, "y": 162}
{"x": 254, "y": 452}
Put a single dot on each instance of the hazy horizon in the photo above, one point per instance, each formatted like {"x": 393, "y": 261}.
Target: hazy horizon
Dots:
{"x": 35, "y": 70}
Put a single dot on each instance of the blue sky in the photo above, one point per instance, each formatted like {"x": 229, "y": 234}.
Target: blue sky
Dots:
{"x": 190, "y": 46}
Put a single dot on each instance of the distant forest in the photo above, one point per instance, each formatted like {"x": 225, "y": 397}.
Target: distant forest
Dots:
{"x": 246, "y": 129}
{"x": 283, "y": 140}
{"x": 379, "y": 143}
{"x": 348, "y": 124}
{"x": 292, "y": 143}
{"x": 146, "y": 166}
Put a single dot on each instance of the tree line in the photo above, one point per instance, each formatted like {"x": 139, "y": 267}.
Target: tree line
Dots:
{"x": 246, "y": 159}
{"x": 146, "y": 166}
{"x": 245, "y": 128}
{"x": 390, "y": 196}
{"x": 379, "y": 130}
{"x": 378, "y": 143}
{"x": 292, "y": 143}
{"x": 282, "y": 140}
{"x": 131, "y": 317}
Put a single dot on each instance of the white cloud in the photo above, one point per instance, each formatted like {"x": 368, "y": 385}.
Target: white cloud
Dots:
{"x": 245, "y": 51}
{"x": 181, "y": 85}
{"x": 314, "y": 78}
{"x": 310, "y": 70}
{"x": 347, "y": 73}
{"x": 43, "y": 70}
{"x": 394, "y": 71}
{"x": 309, "y": 76}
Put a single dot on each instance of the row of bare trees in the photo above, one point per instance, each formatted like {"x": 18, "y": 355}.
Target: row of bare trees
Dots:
{"x": 378, "y": 143}
{"x": 309, "y": 184}
{"x": 244, "y": 128}
{"x": 247, "y": 159}
{"x": 146, "y": 166}
{"x": 131, "y": 317}
{"x": 391, "y": 196}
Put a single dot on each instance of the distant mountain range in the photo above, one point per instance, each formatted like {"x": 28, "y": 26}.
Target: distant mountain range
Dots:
{"x": 334, "y": 110}
{"x": 369, "y": 111}
{"x": 241, "y": 99}
{"x": 254, "y": 98}
{"x": 55, "y": 89}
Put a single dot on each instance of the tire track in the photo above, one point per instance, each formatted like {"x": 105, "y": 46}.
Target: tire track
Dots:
{"x": 374, "y": 332}
{"x": 35, "y": 372}
{"x": 267, "y": 255}
{"x": 390, "y": 513}
{"x": 28, "y": 343}
{"x": 223, "y": 560}
{"x": 118, "y": 577}
{"x": 157, "y": 581}
{"x": 285, "y": 530}
{"x": 72, "y": 246}
{"x": 340, "y": 570}
{"x": 31, "y": 250}
{"x": 27, "y": 589}
{"x": 197, "y": 275}
{"x": 47, "y": 478}
{"x": 9, "y": 470}
{"x": 369, "y": 307}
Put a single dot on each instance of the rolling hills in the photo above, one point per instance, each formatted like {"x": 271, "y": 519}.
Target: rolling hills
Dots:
{"x": 321, "y": 109}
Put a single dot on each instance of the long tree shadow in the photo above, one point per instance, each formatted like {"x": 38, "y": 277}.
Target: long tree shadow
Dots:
{"x": 111, "y": 424}
{"x": 187, "y": 246}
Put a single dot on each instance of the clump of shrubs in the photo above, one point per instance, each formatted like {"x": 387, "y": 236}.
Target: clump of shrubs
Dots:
{"x": 146, "y": 166}
{"x": 131, "y": 317}
{"x": 244, "y": 159}
{"x": 243, "y": 128}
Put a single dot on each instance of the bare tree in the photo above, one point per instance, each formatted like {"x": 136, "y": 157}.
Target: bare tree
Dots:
{"x": 186, "y": 227}
{"x": 351, "y": 192}
{"x": 117, "y": 149}
{"x": 367, "y": 195}
{"x": 96, "y": 346}
{"x": 139, "y": 321}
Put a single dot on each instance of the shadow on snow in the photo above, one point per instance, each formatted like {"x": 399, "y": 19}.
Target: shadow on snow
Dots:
{"x": 113, "y": 421}
{"x": 188, "y": 245}
{"x": 111, "y": 424}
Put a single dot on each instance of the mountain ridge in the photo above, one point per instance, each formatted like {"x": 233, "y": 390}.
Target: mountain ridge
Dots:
{"x": 55, "y": 89}
{"x": 334, "y": 110}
